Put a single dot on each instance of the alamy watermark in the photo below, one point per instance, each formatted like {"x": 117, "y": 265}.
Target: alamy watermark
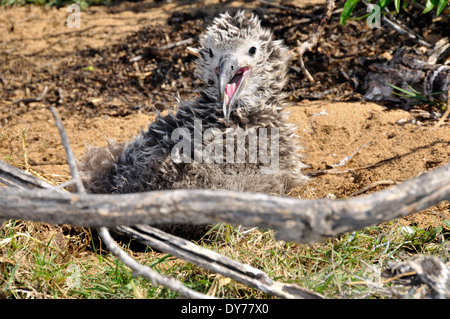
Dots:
{"x": 240, "y": 146}
{"x": 74, "y": 277}
{"x": 74, "y": 18}
{"x": 374, "y": 18}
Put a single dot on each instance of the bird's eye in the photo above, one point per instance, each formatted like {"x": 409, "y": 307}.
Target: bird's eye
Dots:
{"x": 252, "y": 51}
{"x": 211, "y": 55}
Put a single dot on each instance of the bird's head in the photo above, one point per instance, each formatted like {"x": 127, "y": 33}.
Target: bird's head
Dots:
{"x": 240, "y": 62}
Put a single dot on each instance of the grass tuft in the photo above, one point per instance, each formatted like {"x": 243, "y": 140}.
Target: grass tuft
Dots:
{"x": 42, "y": 261}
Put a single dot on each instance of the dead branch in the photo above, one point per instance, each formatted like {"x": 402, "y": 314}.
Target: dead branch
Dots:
{"x": 373, "y": 185}
{"x": 215, "y": 262}
{"x": 440, "y": 51}
{"x": 403, "y": 29}
{"x": 446, "y": 113}
{"x": 399, "y": 27}
{"x": 295, "y": 219}
{"x": 424, "y": 277}
{"x": 178, "y": 43}
{"x": 35, "y": 99}
{"x": 309, "y": 44}
{"x": 144, "y": 271}
{"x": 68, "y": 149}
{"x": 210, "y": 260}
{"x": 14, "y": 177}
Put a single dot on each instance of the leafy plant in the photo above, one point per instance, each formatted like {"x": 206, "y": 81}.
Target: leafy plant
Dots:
{"x": 350, "y": 5}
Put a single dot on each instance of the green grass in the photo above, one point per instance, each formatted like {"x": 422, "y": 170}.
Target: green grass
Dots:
{"x": 346, "y": 267}
{"x": 330, "y": 268}
{"x": 33, "y": 268}
{"x": 349, "y": 7}
{"x": 419, "y": 97}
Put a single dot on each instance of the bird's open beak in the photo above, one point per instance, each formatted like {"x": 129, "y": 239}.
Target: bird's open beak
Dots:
{"x": 231, "y": 77}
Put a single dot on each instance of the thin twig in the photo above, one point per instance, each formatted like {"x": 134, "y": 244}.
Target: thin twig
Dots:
{"x": 294, "y": 219}
{"x": 372, "y": 185}
{"x": 447, "y": 112}
{"x": 401, "y": 28}
{"x": 14, "y": 177}
{"x": 374, "y": 165}
{"x": 51, "y": 45}
{"x": 309, "y": 44}
{"x": 396, "y": 277}
{"x": 36, "y": 99}
{"x": 346, "y": 159}
{"x": 439, "y": 49}
{"x": 176, "y": 44}
{"x": 144, "y": 271}
{"x": 138, "y": 269}
{"x": 68, "y": 149}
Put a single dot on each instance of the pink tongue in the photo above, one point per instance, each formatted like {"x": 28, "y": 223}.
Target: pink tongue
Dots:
{"x": 230, "y": 89}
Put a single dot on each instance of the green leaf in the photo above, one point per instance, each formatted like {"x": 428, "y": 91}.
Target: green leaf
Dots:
{"x": 408, "y": 94}
{"x": 383, "y": 4}
{"x": 441, "y": 6}
{"x": 430, "y": 5}
{"x": 349, "y": 6}
{"x": 397, "y": 5}
{"x": 446, "y": 223}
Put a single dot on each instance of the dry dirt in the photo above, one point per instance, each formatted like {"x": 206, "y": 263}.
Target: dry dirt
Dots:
{"x": 100, "y": 93}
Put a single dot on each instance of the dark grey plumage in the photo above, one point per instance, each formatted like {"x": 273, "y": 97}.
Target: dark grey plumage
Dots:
{"x": 237, "y": 45}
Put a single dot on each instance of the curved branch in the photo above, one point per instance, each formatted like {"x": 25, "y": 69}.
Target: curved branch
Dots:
{"x": 215, "y": 262}
{"x": 309, "y": 44}
{"x": 294, "y": 219}
{"x": 144, "y": 271}
{"x": 68, "y": 149}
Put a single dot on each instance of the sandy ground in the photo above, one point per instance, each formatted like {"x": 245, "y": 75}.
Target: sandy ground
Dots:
{"x": 392, "y": 144}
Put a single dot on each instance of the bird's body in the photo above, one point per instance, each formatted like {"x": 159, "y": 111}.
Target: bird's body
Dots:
{"x": 244, "y": 71}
